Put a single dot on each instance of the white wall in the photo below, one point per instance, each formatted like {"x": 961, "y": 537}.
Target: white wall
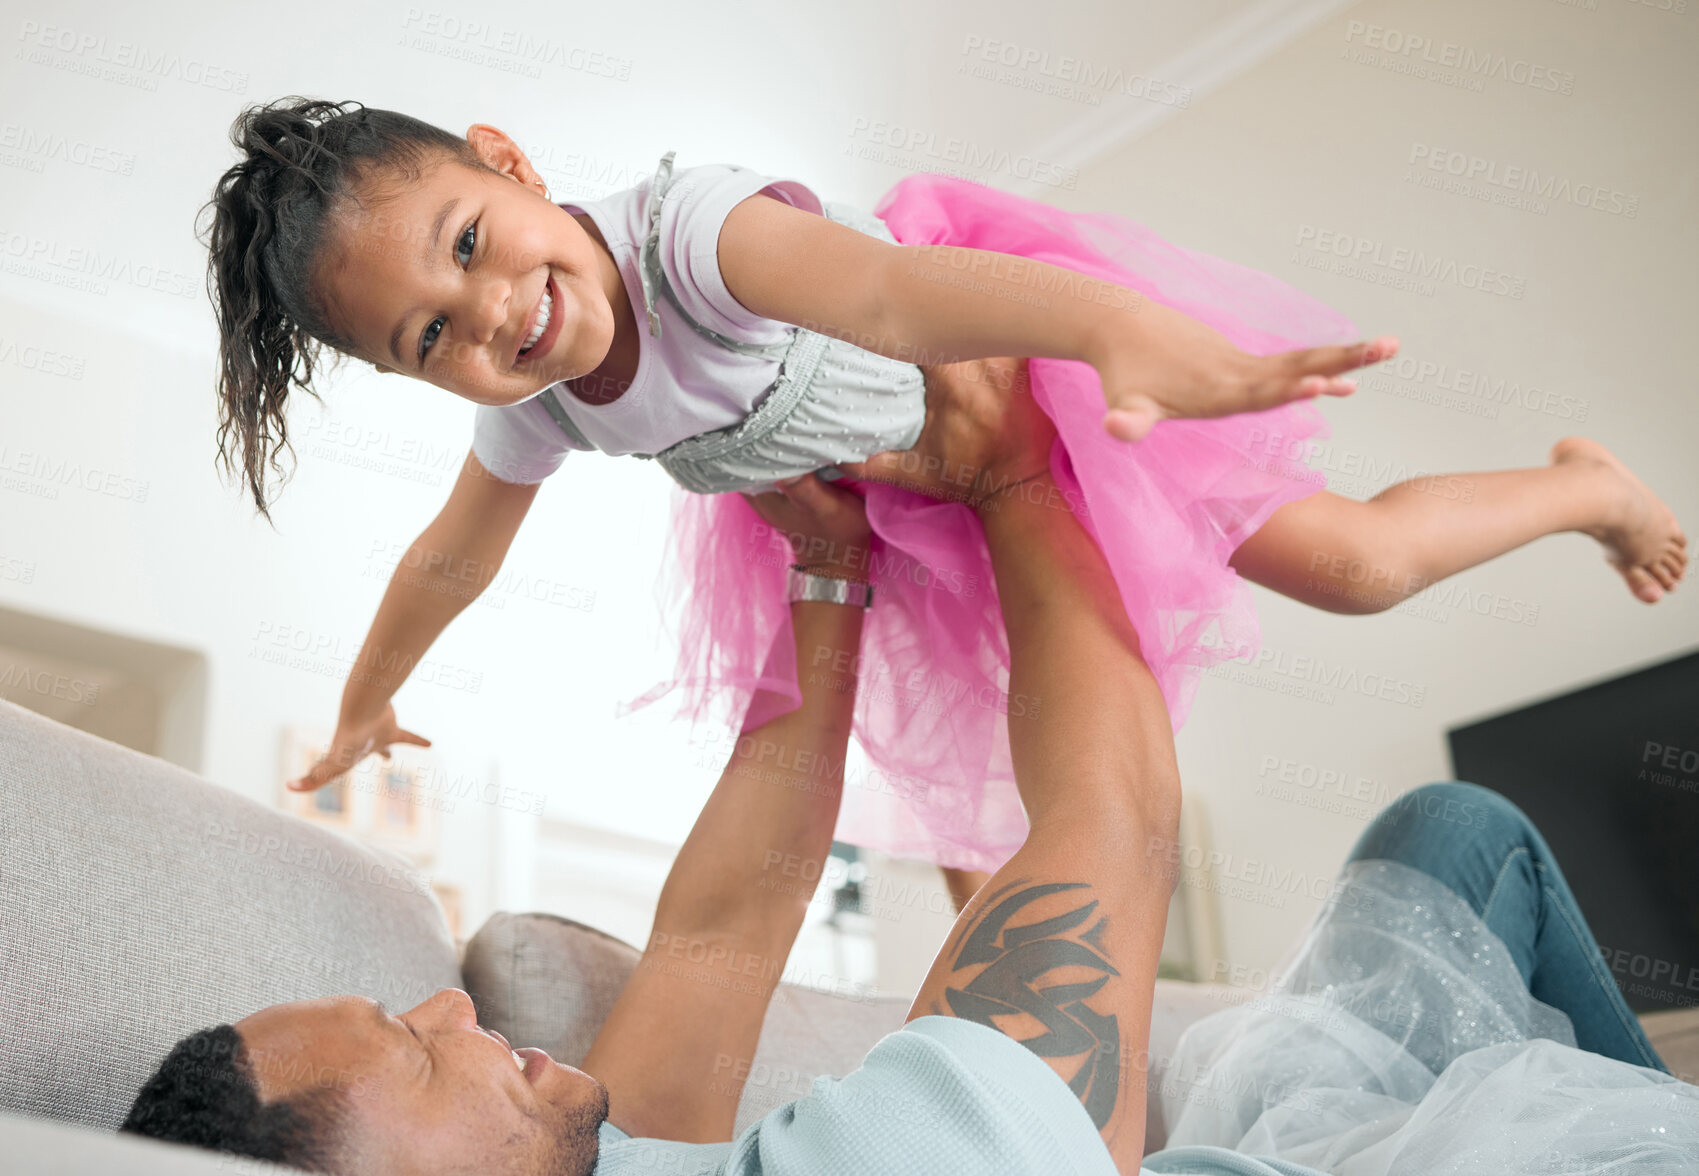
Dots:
{"x": 108, "y": 495}
{"x": 1313, "y": 138}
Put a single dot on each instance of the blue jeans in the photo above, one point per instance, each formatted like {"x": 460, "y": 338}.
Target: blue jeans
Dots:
{"x": 1486, "y": 850}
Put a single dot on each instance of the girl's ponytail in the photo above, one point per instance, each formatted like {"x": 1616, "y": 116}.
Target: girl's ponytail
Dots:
{"x": 302, "y": 157}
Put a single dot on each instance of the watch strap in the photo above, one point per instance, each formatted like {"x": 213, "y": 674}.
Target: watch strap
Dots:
{"x": 806, "y": 586}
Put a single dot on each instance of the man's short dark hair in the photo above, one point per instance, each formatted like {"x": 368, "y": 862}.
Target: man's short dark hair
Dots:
{"x": 204, "y": 1094}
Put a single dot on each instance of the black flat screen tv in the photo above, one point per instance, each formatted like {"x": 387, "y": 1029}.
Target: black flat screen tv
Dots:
{"x": 1610, "y": 775}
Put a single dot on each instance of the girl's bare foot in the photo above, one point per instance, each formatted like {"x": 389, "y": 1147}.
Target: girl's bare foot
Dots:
{"x": 1641, "y": 537}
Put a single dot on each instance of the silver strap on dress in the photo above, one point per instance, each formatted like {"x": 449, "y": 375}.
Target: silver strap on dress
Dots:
{"x": 551, "y": 401}
{"x": 655, "y": 285}
{"x": 648, "y": 258}
{"x": 654, "y": 278}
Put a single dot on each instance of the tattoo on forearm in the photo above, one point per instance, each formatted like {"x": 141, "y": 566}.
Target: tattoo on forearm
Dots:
{"x": 1016, "y": 957}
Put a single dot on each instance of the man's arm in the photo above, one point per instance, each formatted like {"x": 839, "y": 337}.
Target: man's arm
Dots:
{"x": 677, "y": 1046}
{"x": 1059, "y": 949}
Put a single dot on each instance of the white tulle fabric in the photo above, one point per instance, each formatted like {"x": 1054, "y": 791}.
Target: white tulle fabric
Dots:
{"x": 1400, "y": 1040}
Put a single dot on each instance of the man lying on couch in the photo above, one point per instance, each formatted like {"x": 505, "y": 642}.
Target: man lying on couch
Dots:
{"x": 1066, "y": 935}
{"x": 1024, "y": 1048}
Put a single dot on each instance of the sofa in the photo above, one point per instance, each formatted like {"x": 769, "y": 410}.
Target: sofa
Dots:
{"x": 143, "y": 903}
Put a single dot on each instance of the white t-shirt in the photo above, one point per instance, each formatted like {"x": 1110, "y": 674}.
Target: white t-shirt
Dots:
{"x": 685, "y": 384}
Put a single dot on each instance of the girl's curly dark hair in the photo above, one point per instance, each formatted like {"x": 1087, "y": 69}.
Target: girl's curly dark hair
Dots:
{"x": 302, "y": 159}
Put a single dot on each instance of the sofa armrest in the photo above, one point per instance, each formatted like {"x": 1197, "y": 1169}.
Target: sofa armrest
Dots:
{"x": 144, "y": 903}
{"x": 45, "y": 1147}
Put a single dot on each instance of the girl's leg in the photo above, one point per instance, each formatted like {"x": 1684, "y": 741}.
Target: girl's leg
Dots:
{"x": 1487, "y": 851}
{"x": 963, "y": 884}
{"x": 1361, "y": 557}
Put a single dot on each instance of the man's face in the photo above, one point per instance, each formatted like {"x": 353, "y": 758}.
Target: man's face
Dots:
{"x": 429, "y": 1090}
{"x": 446, "y": 279}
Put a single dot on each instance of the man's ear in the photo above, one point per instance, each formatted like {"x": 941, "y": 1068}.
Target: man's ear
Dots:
{"x": 501, "y": 153}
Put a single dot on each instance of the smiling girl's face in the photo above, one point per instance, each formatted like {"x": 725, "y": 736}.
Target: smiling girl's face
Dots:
{"x": 470, "y": 279}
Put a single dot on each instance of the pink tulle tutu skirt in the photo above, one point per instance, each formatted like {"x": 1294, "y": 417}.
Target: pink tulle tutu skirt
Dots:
{"x": 933, "y": 700}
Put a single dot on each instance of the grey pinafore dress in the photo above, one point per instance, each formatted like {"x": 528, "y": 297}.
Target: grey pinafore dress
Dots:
{"x": 832, "y": 401}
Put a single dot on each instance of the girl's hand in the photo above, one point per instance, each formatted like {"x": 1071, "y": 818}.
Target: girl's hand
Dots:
{"x": 825, "y": 524}
{"x": 1164, "y": 364}
{"x": 352, "y": 743}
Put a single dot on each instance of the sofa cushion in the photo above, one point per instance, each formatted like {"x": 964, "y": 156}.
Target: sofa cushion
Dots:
{"x": 545, "y": 981}
{"x": 143, "y": 903}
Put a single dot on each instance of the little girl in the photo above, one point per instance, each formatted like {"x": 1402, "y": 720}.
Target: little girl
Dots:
{"x": 741, "y": 342}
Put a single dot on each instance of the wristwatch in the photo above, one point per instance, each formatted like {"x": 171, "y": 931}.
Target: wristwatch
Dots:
{"x": 805, "y": 585}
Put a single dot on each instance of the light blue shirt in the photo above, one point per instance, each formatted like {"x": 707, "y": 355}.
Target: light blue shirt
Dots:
{"x": 939, "y": 1097}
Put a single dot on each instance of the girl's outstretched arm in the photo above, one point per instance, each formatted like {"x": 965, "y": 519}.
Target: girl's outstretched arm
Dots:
{"x": 450, "y": 563}
{"x": 938, "y": 304}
